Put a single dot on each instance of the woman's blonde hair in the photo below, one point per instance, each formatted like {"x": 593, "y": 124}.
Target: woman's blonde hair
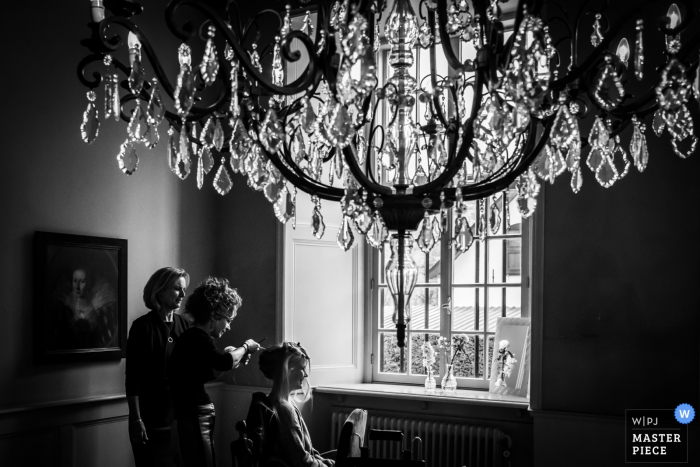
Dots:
{"x": 275, "y": 363}
{"x": 162, "y": 279}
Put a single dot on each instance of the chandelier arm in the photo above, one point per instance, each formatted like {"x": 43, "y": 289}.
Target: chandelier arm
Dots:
{"x": 115, "y": 41}
{"x": 231, "y": 4}
{"x": 254, "y": 21}
{"x": 452, "y": 59}
{"x": 307, "y": 76}
{"x": 360, "y": 176}
{"x": 93, "y": 84}
{"x": 467, "y": 138}
{"x": 583, "y": 11}
{"x": 578, "y": 71}
{"x": 301, "y": 180}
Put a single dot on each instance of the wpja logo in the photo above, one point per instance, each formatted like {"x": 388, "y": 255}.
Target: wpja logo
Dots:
{"x": 657, "y": 435}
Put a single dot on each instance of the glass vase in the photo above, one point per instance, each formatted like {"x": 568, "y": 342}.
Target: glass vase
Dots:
{"x": 430, "y": 381}
{"x": 449, "y": 382}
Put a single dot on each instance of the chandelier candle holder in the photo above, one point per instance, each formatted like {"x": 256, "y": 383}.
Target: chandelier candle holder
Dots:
{"x": 401, "y": 154}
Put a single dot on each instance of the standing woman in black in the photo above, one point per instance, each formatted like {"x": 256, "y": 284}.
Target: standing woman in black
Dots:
{"x": 152, "y": 338}
{"x": 213, "y": 305}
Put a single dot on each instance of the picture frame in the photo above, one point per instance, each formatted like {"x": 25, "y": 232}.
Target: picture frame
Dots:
{"x": 510, "y": 365}
{"x": 80, "y": 297}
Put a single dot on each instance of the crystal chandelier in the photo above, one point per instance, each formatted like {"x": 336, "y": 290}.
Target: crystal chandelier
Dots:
{"x": 396, "y": 150}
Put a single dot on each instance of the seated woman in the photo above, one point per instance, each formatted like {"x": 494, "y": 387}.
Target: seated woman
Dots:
{"x": 285, "y": 364}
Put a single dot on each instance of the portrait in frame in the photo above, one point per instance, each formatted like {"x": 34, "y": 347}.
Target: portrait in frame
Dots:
{"x": 80, "y": 297}
{"x": 510, "y": 365}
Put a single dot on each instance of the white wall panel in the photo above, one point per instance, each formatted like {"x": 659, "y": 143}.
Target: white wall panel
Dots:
{"x": 323, "y": 296}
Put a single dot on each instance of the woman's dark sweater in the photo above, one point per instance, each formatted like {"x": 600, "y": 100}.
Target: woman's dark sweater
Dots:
{"x": 148, "y": 348}
{"x": 192, "y": 363}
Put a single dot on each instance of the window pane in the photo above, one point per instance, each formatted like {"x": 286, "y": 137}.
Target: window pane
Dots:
{"x": 391, "y": 358}
{"x": 425, "y": 308}
{"x": 495, "y": 266}
{"x": 468, "y": 267}
{"x": 487, "y": 362}
{"x": 495, "y": 307}
{"x": 467, "y": 308}
{"x": 386, "y": 308}
{"x": 512, "y": 263}
{"x": 513, "y": 299}
{"x": 417, "y": 340}
{"x": 465, "y": 362}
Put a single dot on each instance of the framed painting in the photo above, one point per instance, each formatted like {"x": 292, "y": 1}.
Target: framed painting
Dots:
{"x": 510, "y": 366}
{"x": 80, "y": 297}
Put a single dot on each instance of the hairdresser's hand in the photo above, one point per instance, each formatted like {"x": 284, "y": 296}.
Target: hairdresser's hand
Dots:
{"x": 252, "y": 346}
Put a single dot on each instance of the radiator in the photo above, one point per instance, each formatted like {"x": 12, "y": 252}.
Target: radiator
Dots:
{"x": 443, "y": 444}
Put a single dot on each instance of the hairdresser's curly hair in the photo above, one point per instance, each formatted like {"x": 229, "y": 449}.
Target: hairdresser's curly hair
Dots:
{"x": 213, "y": 299}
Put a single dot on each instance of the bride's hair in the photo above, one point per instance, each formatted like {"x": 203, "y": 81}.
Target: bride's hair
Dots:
{"x": 275, "y": 363}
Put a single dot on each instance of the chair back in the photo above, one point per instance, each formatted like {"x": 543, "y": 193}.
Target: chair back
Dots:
{"x": 352, "y": 435}
{"x": 261, "y": 426}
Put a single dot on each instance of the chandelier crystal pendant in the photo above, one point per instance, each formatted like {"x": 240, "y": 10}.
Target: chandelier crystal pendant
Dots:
{"x": 399, "y": 150}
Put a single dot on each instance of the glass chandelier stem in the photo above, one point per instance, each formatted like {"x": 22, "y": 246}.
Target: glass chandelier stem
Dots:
{"x": 402, "y": 30}
{"x": 401, "y": 324}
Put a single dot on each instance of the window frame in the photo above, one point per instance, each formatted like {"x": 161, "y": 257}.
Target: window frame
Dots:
{"x": 373, "y": 274}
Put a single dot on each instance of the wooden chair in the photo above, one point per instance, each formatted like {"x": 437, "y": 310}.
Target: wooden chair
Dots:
{"x": 366, "y": 461}
{"x": 255, "y": 436}
{"x": 352, "y": 435}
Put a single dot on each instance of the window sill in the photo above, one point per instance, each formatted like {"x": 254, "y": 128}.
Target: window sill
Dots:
{"x": 417, "y": 393}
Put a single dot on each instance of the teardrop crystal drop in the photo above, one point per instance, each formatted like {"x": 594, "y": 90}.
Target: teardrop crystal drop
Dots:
{"x": 222, "y": 180}
{"x": 464, "y": 236}
{"x": 207, "y": 135}
{"x": 596, "y": 34}
{"x": 495, "y": 214}
{"x": 184, "y": 162}
{"x": 576, "y": 180}
{"x": 91, "y": 123}
{"x": 378, "y": 233}
{"x": 112, "y": 103}
{"x": 207, "y": 159}
{"x": 155, "y": 110}
{"x": 284, "y": 207}
{"x": 137, "y": 75}
{"x": 345, "y": 236}
{"x": 218, "y": 135}
{"x": 127, "y": 158}
{"x": 200, "y": 174}
{"x": 271, "y": 134}
{"x": 318, "y": 227}
{"x": 173, "y": 150}
{"x": 363, "y": 219}
{"x": 137, "y": 124}
{"x": 151, "y": 136}
{"x": 639, "y": 51}
{"x": 273, "y": 189}
{"x": 607, "y": 173}
{"x": 209, "y": 67}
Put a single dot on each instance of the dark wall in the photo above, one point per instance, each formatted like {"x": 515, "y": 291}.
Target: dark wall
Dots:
{"x": 52, "y": 181}
{"x": 621, "y": 322}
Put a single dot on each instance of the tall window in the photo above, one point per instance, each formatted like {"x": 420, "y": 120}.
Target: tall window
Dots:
{"x": 458, "y": 294}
